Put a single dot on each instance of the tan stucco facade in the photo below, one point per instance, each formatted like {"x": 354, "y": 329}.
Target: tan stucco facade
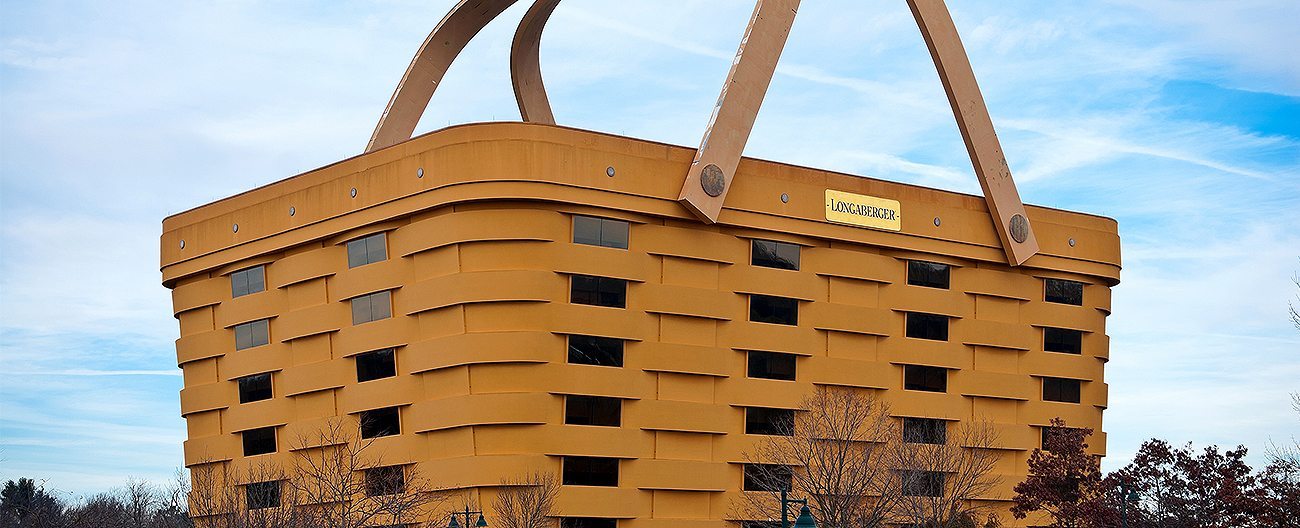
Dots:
{"x": 478, "y": 221}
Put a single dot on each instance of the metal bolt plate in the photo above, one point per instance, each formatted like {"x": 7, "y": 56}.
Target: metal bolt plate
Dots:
{"x": 785, "y": 198}
{"x": 712, "y": 181}
{"x": 609, "y": 171}
{"x": 1019, "y": 229}
{"x": 419, "y": 173}
{"x": 354, "y": 192}
{"x": 292, "y": 211}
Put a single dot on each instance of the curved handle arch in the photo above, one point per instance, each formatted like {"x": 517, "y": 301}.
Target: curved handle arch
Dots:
{"x": 427, "y": 69}
{"x": 706, "y": 184}
{"x": 709, "y": 178}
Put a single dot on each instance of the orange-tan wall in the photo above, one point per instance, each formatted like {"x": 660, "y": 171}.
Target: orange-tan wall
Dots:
{"x": 479, "y": 256}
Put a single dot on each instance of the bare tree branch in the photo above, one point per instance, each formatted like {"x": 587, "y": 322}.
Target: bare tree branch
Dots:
{"x": 942, "y": 482}
{"x": 342, "y": 483}
{"x": 849, "y": 457}
{"x": 527, "y": 501}
{"x": 833, "y": 454}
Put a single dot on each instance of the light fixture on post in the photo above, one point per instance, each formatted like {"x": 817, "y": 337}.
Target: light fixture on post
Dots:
{"x": 1126, "y": 495}
{"x": 805, "y": 519}
{"x": 467, "y": 514}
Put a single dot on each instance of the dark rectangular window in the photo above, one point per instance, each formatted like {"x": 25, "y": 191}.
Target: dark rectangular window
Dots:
{"x": 380, "y": 422}
{"x": 921, "y": 483}
{"x": 1061, "y": 390}
{"x": 768, "y": 421}
{"x": 772, "y": 254}
{"x": 261, "y": 495}
{"x": 252, "y": 334}
{"x": 1063, "y": 340}
{"x": 258, "y": 441}
{"x": 373, "y": 307}
{"x": 1046, "y": 435}
{"x": 376, "y": 365}
{"x": 593, "y": 410}
{"x": 387, "y": 480}
{"x": 598, "y": 291}
{"x": 771, "y": 365}
{"x": 927, "y": 326}
{"x": 767, "y": 477}
{"x": 255, "y": 388}
{"x": 244, "y": 282}
{"x": 603, "y": 232}
{"x": 925, "y": 431}
{"x": 928, "y": 274}
{"x": 774, "y": 310}
{"x": 367, "y": 250}
{"x": 590, "y": 471}
{"x": 1063, "y": 291}
{"x": 592, "y": 350}
{"x": 587, "y": 522}
{"x": 922, "y": 378}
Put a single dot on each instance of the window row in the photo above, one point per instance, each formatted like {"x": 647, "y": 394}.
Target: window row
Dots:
{"x": 375, "y": 423}
{"x": 611, "y": 233}
{"x": 603, "y": 351}
{"x": 365, "y": 308}
{"x": 370, "y": 366}
{"x": 612, "y": 293}
{"x": 935, "y": 379}
{"x": 784, "y": 255}
{"x": 593, "y": 471}
{"x": 601, "y": 291}
{"x": 777, "y": 477}
{"x": 362, "y": 251}
{"x": 378, "y": 481}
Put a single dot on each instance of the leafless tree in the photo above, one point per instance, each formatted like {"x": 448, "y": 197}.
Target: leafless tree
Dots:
{"x": 847, "y": 454}
{"x": 332, "y": 480}
{"x": 527, "y": 501}
{"x": 139, "y": 499}
{"x": 341, "y": 482}
{"x": 1287, "y": 454}
{"x": 222, "y": 497}
{"x": 942, "y": 483}
{"x": 1295, "y": 312}
{"x": 834, "y": 453}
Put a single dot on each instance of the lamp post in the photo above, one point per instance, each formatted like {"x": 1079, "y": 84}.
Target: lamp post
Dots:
{"x": 805, "y": 519}
{"x": 482, "y": 521}
{"x": 1125, "y": 495}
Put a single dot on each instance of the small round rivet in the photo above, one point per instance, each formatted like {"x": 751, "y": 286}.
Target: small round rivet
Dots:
{"x": 419, "y": 173}
{"x": 609, "y": 171}
{"x": 182, "y": 244}
{"x": 1019, "y": 228}
{"x": 234, "y": 227}
{"x": 785, "y": 198}
{"x": 292, "y": 211}
{"x": 354, "y": 192}
{"x": 937, "y": 221}
{"x": 712, "y": 180}
{"x": 1072, "y": 242}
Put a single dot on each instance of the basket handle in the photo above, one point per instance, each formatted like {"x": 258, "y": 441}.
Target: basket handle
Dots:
{"x": 711, "y": 173}
{"x": 430, "y": 64}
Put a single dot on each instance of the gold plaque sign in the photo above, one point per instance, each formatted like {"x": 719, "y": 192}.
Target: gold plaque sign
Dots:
{"x": 865, "y": 211}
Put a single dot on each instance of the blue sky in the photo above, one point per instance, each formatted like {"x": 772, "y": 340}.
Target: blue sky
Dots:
{"x": 1179, "y": 118}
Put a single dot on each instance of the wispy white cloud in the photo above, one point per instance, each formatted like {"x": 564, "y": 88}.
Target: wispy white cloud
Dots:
{"x": 95, "y": 373}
